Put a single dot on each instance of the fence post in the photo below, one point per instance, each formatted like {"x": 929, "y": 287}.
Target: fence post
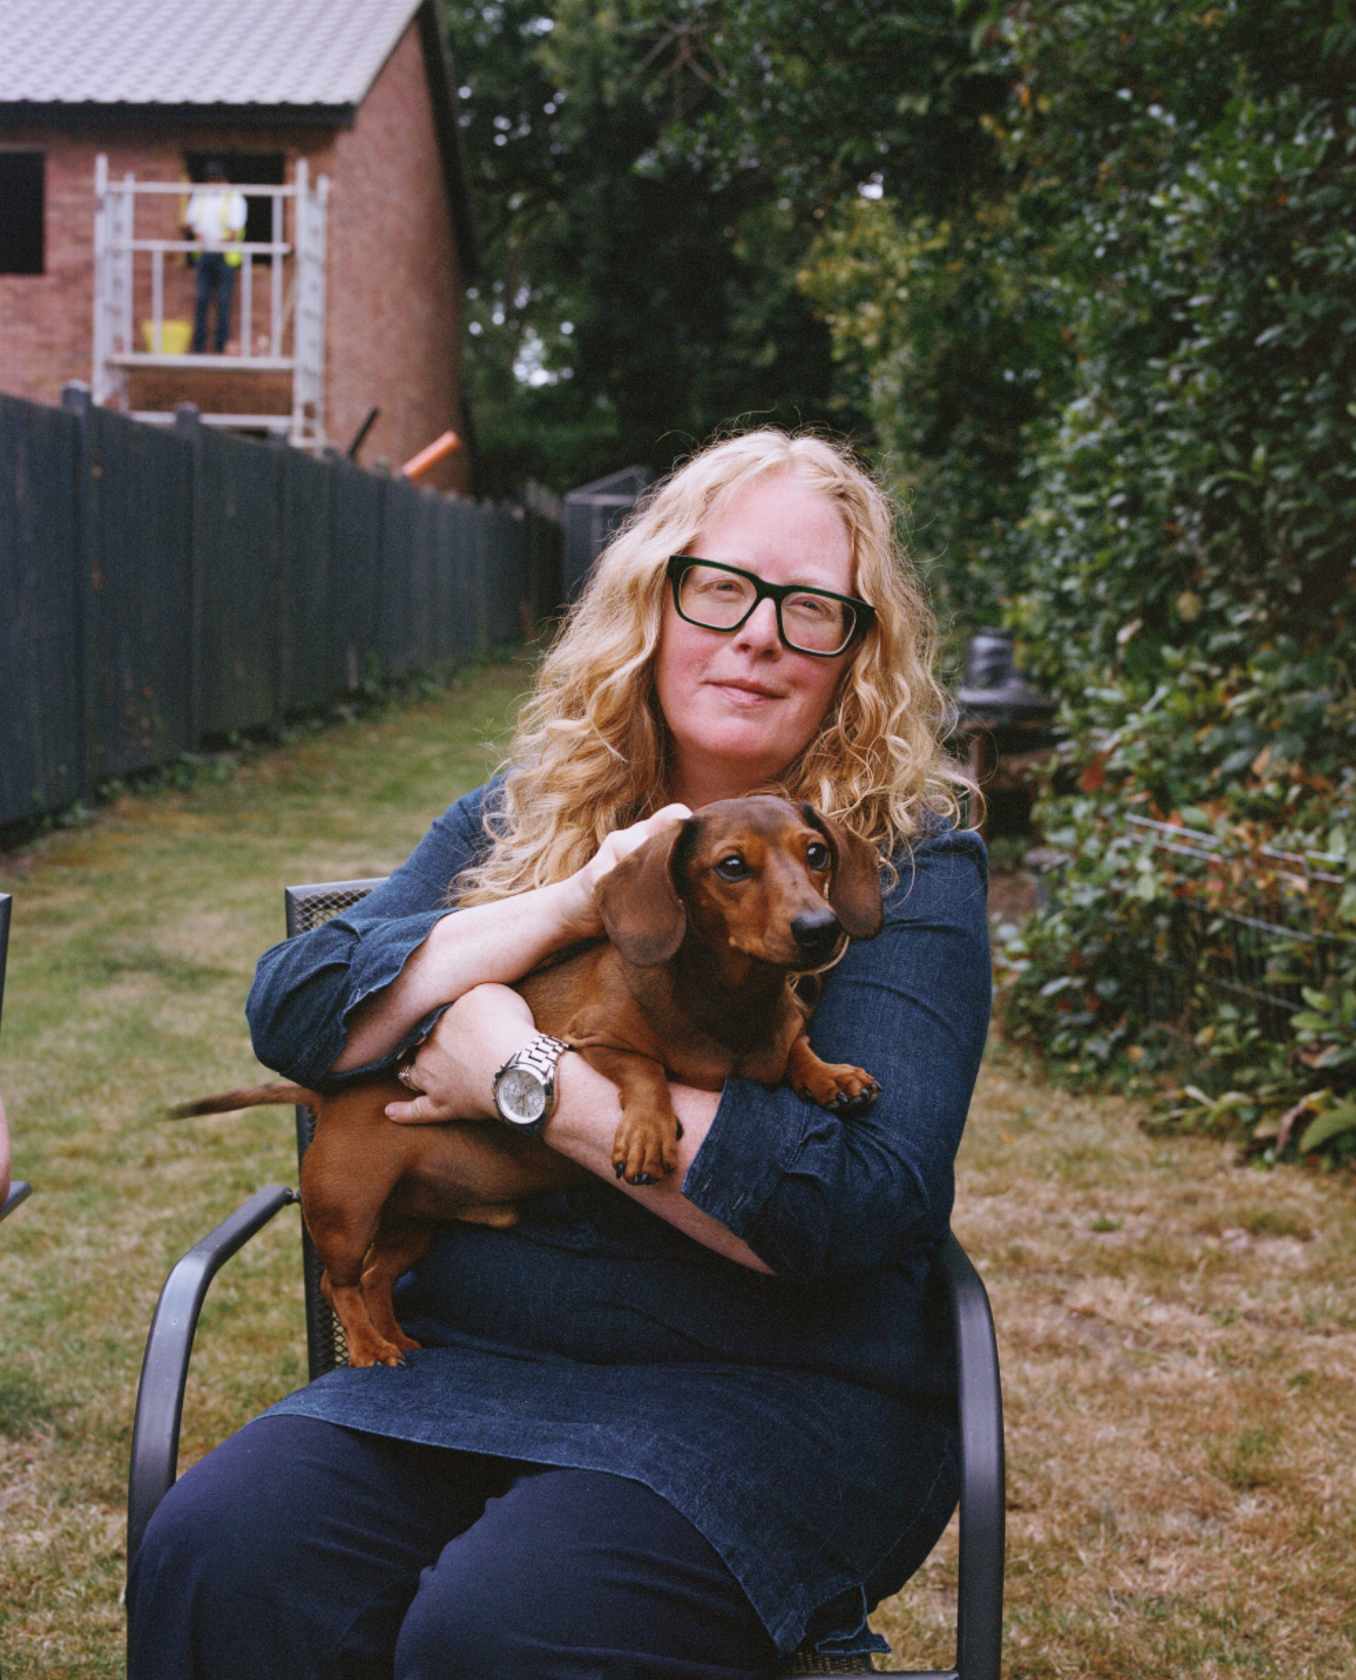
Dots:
{"x": 284, "y": 650}
{"x": 279, "y": 571}
{"x": 76, "y": 400}
{"x": 188, "y": 425}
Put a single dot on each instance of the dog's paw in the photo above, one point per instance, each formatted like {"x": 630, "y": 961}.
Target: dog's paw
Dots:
{"x": 847, "y": 1103}
{"x": 644, "y": 1149}
{"x": 841, "y": 1088}
{"x": 378, "y": 1353}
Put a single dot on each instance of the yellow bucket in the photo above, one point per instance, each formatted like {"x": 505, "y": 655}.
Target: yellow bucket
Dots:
{"x": 174, "y": 336}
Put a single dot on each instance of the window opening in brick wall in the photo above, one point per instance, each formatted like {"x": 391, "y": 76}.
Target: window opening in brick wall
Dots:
{"x": 23, "y": 202}
{"x": 262, "y": 169}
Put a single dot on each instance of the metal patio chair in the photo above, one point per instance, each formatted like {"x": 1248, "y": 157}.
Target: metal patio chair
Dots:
{"x": 18, "y": 1190}
{"x": 164, "y": 1374}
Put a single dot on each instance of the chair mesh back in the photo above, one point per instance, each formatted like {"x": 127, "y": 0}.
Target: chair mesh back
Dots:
{"x": 307, "y": 907}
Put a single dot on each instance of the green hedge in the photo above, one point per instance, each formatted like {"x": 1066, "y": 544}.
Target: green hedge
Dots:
{"x": 1122, "y": 386}
{"x": 1187, "y": 579}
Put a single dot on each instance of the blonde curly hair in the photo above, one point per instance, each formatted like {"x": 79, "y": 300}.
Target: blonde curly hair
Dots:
{"x": 591, "y": 751}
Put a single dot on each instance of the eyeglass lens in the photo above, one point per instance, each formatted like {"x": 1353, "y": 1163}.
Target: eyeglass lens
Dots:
{"x": 720, "y": 600}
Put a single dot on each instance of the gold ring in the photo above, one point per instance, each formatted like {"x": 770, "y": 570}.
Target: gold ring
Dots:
{"x": 404, "y": 1073}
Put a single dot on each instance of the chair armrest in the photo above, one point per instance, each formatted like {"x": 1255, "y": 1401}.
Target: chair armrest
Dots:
{"x": 979, "y": 1631}
{"x": 164, "y": 1370}
{"x": 18, "y": 1192}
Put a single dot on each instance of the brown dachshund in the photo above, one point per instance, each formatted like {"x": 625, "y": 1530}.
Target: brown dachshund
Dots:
{"x": 708, "y": 922}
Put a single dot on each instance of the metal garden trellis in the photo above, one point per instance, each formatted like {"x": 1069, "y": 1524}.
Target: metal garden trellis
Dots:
{"x": 1256, "y": 947}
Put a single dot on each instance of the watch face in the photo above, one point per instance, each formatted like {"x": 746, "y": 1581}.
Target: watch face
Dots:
{"x": 521, "y": 1095}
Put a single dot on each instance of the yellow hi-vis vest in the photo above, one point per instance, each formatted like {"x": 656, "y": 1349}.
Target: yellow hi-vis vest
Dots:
{"x": 217, "y": 217}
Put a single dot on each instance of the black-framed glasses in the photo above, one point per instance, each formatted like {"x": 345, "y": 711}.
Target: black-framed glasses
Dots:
{"x": 715, "y": 596}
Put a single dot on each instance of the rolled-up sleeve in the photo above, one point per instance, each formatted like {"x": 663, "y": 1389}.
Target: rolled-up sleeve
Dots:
{"x": 306, "y": 988}
{"x": 814, "y": 1193}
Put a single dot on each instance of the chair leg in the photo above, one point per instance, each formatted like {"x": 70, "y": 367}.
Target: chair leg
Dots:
{"x": 164, "y": 1370}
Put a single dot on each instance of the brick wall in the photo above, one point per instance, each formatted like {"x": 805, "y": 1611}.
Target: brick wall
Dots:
{"x": 47, "y": 320}
{"x": 393, "y": 287}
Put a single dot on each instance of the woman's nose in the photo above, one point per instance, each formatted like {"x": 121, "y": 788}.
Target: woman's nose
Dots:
{"x": 759, "y": 629}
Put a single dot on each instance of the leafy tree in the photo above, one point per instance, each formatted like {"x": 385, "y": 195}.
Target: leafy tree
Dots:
{"x": 881, "y": 93}
{"x": 954, "y": 328}
{"x": 883, "y": 134}
{"x": 652, "y": 294}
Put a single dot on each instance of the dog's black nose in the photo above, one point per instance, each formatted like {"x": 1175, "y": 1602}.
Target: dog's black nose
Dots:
{"x": 816, "y": 934}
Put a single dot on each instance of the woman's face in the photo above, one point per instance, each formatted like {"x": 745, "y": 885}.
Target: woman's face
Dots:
{"x": 740, "y": 705}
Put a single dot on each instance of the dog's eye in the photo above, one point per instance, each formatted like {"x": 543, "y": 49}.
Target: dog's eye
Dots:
{"x": 732, "y": 868}
{"x": 817, "y": 855}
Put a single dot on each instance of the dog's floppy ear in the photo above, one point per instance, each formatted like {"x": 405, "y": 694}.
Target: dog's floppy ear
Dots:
{"x": 639, "y": 901}
{"x": 855, "y": 894}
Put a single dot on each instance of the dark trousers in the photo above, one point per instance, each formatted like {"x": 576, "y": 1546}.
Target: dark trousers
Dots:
{"x": 216, "y": 278}
{"x": 300, "y": 1549}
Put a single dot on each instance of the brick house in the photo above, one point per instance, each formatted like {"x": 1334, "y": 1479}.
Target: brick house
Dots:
{"x": 349, "y": 102}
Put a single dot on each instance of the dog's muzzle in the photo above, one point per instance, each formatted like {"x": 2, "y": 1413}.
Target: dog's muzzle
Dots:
{"x": 817, "y": 936}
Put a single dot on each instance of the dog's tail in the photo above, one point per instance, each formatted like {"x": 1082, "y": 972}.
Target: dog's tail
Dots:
{"x": 252, "y": 1096}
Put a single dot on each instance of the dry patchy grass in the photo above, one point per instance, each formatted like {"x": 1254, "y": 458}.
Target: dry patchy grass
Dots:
{"x": 1178, "y": 1342}
{"x": 1178, "y": 1333}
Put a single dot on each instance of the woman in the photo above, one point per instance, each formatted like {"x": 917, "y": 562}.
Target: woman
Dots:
{"x": 668, "y": 1430}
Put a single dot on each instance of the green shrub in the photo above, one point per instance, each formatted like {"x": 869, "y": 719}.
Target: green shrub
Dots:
{"x": 1188, "y": 576}
{"x": 1114, "y": 363}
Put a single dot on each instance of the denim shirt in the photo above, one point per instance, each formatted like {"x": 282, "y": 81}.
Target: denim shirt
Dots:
{"x": 803, "y": 1421}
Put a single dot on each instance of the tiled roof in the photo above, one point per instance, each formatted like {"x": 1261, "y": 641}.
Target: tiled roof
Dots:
{"x": 313, "y": 53}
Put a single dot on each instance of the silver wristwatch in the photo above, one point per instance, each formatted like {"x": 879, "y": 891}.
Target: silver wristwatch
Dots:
{"x": 525, "y": 1087}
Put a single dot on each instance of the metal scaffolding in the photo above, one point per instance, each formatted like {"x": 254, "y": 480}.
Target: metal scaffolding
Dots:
{"x": 130, "y": 271}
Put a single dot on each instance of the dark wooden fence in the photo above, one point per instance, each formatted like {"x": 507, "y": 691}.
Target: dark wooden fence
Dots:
{"x": 160, "y": 589}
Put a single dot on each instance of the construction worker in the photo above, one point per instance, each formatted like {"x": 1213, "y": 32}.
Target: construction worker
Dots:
{"x": 216, "y": 218}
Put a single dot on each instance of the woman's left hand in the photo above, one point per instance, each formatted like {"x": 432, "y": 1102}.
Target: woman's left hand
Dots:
{"x": 455, "y": 1066}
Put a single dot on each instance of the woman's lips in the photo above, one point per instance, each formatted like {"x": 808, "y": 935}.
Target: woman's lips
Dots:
{"x": 745, "y": 694}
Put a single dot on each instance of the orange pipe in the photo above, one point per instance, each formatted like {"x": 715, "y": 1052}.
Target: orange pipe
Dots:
{"x": 429, "y": 457}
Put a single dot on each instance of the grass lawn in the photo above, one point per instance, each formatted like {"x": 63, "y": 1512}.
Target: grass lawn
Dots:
{"x": 1178, "y": 1333}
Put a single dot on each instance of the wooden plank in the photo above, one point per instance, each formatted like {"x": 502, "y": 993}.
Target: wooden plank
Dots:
{"x": 310, "y": 673}
{"x": 359, "y": 514}
{"x": 41, "y": 756}
{"x": 137, "y": 516}
{"x": 237, "y": 543}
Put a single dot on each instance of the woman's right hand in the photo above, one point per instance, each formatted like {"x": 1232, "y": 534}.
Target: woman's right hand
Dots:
{"x": 495, "y": 943}
{"x": 584, "y": 919}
